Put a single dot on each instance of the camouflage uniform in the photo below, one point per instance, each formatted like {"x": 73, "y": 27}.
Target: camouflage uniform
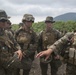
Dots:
{"x": 9, "y": 26}
{"x": 27, "y": 39}
{"x": 47, "y": 38}
{"x": 20, "y": 25}
{"x": 7, "y": 47}
{"x": 69, "y": 55}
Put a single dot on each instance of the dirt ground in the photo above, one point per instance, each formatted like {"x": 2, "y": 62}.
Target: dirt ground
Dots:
{"x": 36, "y": 68}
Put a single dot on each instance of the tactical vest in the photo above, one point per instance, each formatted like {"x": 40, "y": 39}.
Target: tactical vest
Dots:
{"x": 24, "y": 38}
{"x": 48, "y": 38}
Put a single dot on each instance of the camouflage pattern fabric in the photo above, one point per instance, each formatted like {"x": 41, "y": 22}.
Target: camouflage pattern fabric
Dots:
{"x": 28, "y": 17}
{"x": 71, "y": 65}
{"x": 28, "y": 42}
{"x": 70, "y": 70}
{"x": 7, "y": 47}
{"x": 49, "y": 19}
{"x": 14, "y": 62}
{"x": 47, "y": 38}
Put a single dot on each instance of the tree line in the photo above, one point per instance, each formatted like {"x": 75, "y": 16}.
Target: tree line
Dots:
{"x": 60, "y": 25}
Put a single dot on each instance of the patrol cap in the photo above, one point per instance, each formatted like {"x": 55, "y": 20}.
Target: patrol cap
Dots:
{"x": 28, "y": 17}
{"x": 49, "y": 19}
{"x": 3, "y": 15}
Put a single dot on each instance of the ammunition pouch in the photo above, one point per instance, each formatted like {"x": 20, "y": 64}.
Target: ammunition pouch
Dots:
{"x": 72, "y": 56}
{"x": 65, "y": 56}
{"x": 23, "y": 38}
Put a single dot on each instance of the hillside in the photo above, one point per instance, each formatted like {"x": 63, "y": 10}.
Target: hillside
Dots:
{"x": 66, "y": 17}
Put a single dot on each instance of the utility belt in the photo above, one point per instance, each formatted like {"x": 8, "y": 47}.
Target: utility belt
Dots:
{"x": 70, "y": 56}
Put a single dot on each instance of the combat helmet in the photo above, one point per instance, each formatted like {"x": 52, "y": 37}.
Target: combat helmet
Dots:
{"x": 20, "y": 24}
{"x": 28, "y": 17}
{"x": 3, "y": 15}
{"x": 49, "y": 19}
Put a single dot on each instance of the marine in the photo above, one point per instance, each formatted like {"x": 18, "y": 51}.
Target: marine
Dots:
{"x": 68, "y": 38}
{"x": 27, "y": 39}
{"x": 46, "y": 38}
{"x": 8, "y": 46}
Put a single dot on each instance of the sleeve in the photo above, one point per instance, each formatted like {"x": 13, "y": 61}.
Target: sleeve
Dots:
{"x": 61, "y": 43}
{"x": 14, "y": 44}
{"x": 39, "y": 48}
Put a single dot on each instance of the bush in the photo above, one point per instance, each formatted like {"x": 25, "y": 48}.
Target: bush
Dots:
{"x": 62, "y": 26}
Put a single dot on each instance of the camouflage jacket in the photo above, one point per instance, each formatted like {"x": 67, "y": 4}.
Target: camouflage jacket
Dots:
{"x": 8, "y": 46}
{"x": 47, "y": 38}
{"x": 62, "y": 42}
{"x": 27, "y": 40}
{"x": 10, "y": 31}
{"x": 60, "y": 46}
{"x": 7, "y": 38}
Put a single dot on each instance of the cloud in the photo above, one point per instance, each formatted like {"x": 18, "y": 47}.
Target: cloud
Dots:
{"x": 39, "y": 8}
{"x": 44, "y": 2}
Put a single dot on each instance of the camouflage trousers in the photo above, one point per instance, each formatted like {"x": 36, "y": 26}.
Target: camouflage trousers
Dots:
{"x": 23, "y": 72}
{"x": 70, "y": 69}
{"x": 55, "y": 67}
{"x": 67, "y": 69}
{"x": 4, "y": 71}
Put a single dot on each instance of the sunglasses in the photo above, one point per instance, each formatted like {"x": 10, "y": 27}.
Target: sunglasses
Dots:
{"x": 31, "y": 21}
{"x": 3, "y": 20}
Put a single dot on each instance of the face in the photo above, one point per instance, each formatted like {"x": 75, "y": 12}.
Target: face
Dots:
{"x": 8, "y": 25}
{"x": 48, "y": 25}
{"x": 3, "y": 24}
{"x": 28, "y": 24}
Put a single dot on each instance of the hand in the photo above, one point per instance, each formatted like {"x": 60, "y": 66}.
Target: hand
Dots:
{"x": 46, "y": 53}
{"x": 19, "y": 52}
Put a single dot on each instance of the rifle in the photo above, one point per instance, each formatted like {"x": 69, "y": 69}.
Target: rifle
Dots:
{"x": 12, "y": 60}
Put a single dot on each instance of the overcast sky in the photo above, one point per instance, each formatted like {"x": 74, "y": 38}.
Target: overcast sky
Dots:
{"x": 40, "y": 9}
